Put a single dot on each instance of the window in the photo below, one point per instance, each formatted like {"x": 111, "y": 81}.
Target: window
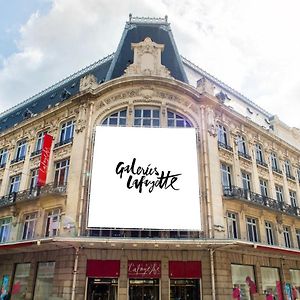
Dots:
{"x": 241, "y": 145}
{"x": 246, "y": 181}
{"x": 116, "y": 119}
{"x": 298, "y": 237}
{"x": 61, "y": 172}
{"x": 33, "y": 182}
{"x": 244, "y": 280}
{"x": 66, "y": 133}
{"x": 293, "y": 198}
{"x": 39, "y": 143}
{"x": 232, "y": 225}
{"x": 222, "y": 135}
{"x": 21, "y": 151}
{"x": 287, "y": 237}
{"x": 146, "y": 117}
{"x": 295, "y": 281}
{"x": 175, "y": 120}
{"x": 269, "y": 233}
{"x": 259, "y": 153}
{"x": 21, "y": 280}
{"x": 274, "y": 162}
{"x": 29, "y": 226}
{"x": 279, "y": 193}
{"x": 288, "y": 169}
{"x": 3, "y": 157}
{"x": 14, "y": 184}
{"x": 252, "y": 230}
{"x": 226, "y": 176}
{"x": 270, "y": 277}
{"x": 44, "y": 280}
{"x": 263, "y": 187}
{"x": 298, "y": 174}
{"x": 52, "y": 222}
{"x": 5, "y": 226}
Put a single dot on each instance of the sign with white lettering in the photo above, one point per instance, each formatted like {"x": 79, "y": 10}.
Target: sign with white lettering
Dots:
{"x": 143, "y": 269}
{"x": 145, "y": 178}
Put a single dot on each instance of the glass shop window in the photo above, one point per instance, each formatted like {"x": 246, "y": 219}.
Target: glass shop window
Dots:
{"x": 243, "y": 282}
{"x": 295, "y": 281}
{"x": 102, "y": 288}
{"x": 271, "y": 284}
{"x": 44, "y": 280}
{"x": 20, "y": 282}
{"x": 143, "y": 289}
{"x": 185, "y": 289}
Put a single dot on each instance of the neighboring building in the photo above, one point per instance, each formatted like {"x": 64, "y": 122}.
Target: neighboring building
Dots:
{"x": 249, "y": 173}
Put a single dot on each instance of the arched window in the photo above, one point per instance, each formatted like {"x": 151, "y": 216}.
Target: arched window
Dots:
{"x": 288, "y": 169}
{"x": 175, "y": 120}
{"x": 116, "y": 119}
{"x": 146, "y": 117}
{"x": 222, "y": 135}
{"x": 259, "y": 153}
{"x": 242, "y": 145}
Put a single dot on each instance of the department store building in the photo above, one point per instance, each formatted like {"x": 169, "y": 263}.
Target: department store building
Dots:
{"x": 247, "y": 178}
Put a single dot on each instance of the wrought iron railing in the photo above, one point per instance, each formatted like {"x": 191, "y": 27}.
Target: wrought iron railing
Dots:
{"x": 245, "y": 155}
{"x": 240, "y": 193}
{"x": 276, "y": 170}
{"x": 36, "y": 152}
{"x": 17, "y": 159}
{"x": 64, "y": 142}
{"x": 262, "y": 163}
{"x": 225, "y": 146}
{"x": 33, "y": 193}
{"x": 289, "y": 176}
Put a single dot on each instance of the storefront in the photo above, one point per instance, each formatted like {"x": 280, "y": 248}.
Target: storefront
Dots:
{"x": 144, "y": 277}
{"x": 102, "y": 279}
{"x": 185, "y": 279}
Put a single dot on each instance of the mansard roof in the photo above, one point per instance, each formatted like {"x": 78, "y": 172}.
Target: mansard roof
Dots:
{"x": 113, "y": 66}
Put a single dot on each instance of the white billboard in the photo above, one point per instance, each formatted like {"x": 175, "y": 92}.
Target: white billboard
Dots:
{"x": 145, "y": 178}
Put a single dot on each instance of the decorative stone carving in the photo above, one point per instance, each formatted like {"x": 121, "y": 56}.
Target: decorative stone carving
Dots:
{"x": 205, "y": 86}
{"x": 62, "y": 152}
{"x": 147, "y": 60}
{"x": 89, "y": 81}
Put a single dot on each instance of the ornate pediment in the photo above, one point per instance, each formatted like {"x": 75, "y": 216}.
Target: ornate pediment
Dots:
{"x": 147, "y": 60}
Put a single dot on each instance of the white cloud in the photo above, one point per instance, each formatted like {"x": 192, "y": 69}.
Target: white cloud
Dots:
{"x": 251, "y": 45}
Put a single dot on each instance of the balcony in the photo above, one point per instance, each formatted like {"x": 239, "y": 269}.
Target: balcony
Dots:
{"x": 17, "y": 159}
{"x": 64, "y": 142}
{"x": 35, "y": 153}
{"x": 276, "y": 170}
{"x": 224, "y": 146}
{"x": 245, "y": 155}
{"x": 289, "y": 176}
{"x": 31, "y": 194}
{"x": 257, "y": 199}
{"x": 261, "y": 163}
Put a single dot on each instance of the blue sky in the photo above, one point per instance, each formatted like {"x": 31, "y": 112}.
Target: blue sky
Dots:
{"x": 253, "y": 46}
{"x": 15, "y": 13}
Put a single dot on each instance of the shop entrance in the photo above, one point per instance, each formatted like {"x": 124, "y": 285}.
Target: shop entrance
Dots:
{"x": 185, "y": 289}
{"x": 143, "y": 289}
{"x": 102, "y": 289}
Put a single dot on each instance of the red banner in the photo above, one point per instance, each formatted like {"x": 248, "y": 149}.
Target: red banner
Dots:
{"x": 44, "y": 159}
{"x": 144, "y": 269}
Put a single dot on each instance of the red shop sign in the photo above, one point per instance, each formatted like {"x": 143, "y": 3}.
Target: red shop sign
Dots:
{"x": 144, "y": 269}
